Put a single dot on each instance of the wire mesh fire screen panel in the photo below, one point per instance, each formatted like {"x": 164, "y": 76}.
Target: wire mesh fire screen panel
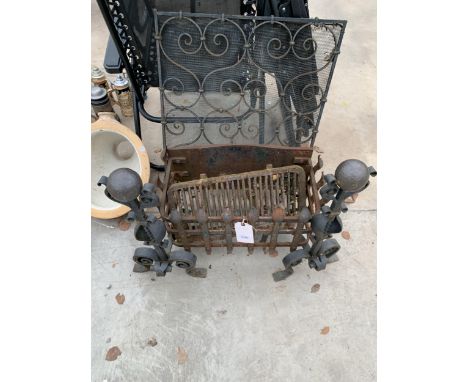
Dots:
{"x": 238, "y": 80}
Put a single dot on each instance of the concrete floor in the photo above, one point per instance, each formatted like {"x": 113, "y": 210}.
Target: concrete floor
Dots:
{"x": 237, "y": 324}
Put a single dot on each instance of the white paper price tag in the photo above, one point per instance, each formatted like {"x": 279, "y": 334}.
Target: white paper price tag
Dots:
{"x": 244, "y": 232}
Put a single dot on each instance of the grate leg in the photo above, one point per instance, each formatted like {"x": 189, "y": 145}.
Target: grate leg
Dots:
{"x": 278, "y": 217}
{"x": 203, "y": 220}
{"x": 227, "y": 217}
{"x": 304, "y": 217}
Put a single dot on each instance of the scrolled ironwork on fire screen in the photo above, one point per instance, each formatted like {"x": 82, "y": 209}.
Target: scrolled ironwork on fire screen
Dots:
{"x": 238, "y": 80}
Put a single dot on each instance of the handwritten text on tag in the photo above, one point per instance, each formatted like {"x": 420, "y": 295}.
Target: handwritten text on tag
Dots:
{"x": 244, "y": 232}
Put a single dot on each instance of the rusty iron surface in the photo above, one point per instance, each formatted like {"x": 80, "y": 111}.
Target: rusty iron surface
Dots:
{"x": 208, "y": 189}
{"x": 263, "y": 189}
{"x": 214, "y": 160}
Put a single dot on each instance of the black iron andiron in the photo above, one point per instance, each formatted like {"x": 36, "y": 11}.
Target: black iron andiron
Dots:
{"x": 124, "y": 186}
{"x": 351, "y": 177}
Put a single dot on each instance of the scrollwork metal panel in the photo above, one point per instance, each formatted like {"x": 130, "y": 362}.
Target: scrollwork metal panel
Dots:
{"x": 243, "y": 80}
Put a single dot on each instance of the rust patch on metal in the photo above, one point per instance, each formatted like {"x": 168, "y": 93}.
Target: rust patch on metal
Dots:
{"x": 214, "y": 160}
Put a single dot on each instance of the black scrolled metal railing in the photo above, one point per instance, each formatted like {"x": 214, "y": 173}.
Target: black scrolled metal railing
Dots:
{"x": 125, "y": 28}
{"x": 235, "y": 79}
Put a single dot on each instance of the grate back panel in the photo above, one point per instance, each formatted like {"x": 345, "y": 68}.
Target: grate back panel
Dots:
{"x": 241, "y": 80}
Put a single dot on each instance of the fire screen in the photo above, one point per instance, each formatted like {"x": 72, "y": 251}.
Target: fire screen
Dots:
{"x": 238, "y": 80}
